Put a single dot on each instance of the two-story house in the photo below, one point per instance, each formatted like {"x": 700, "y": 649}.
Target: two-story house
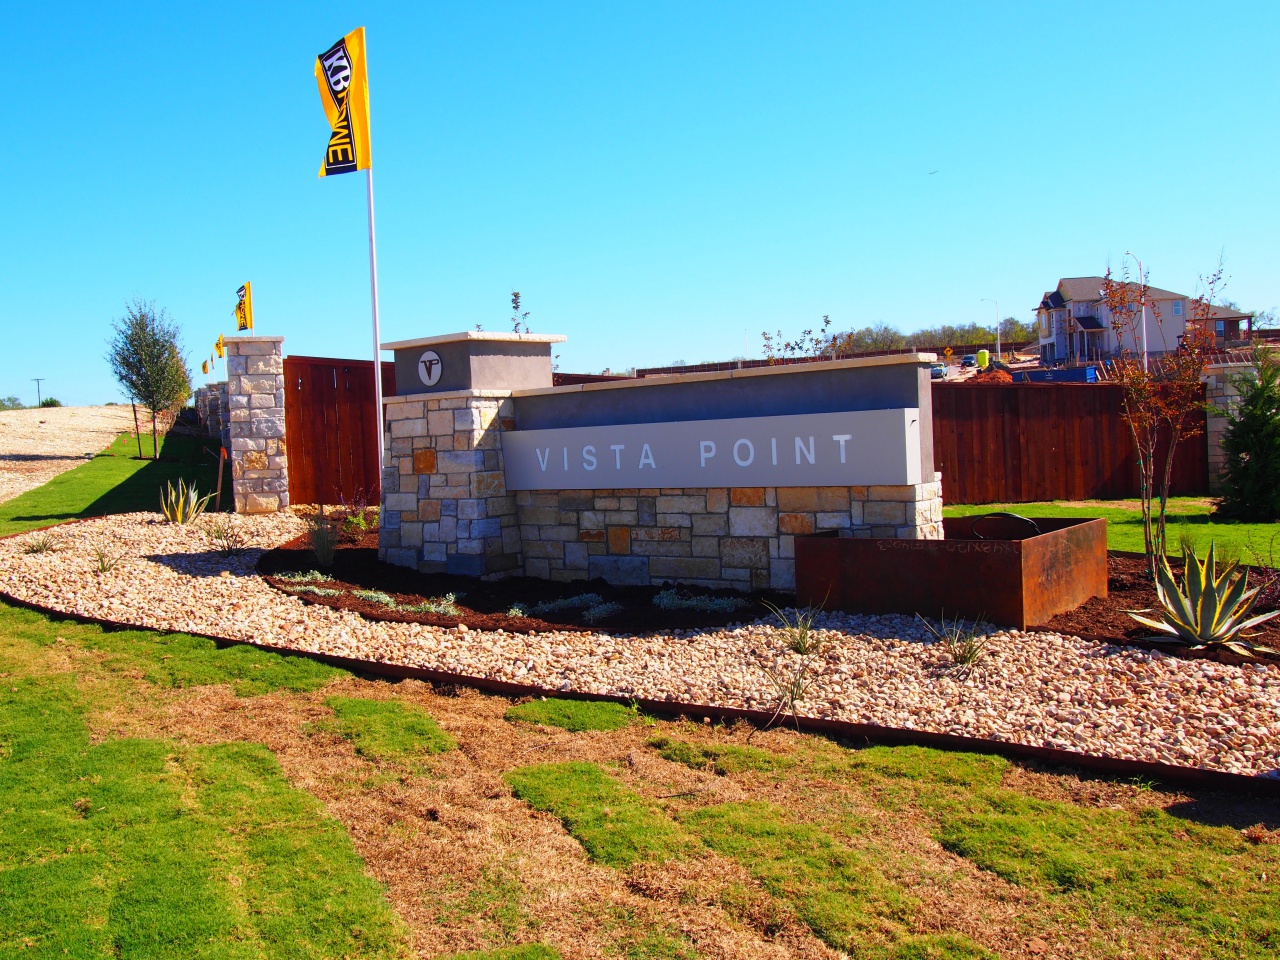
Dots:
{"x": 1074, "y": 323}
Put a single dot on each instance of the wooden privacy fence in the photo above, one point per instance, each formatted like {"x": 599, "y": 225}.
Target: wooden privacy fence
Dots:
{"x": 1020, "y": 443}
{"x": 330, "y": 430}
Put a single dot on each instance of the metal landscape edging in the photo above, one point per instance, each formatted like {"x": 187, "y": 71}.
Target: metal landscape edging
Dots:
{"x": 1165, "y": 773}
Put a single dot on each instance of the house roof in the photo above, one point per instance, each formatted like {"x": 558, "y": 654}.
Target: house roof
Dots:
{"x": 1089, "y": 289}
{"x": 1226, "y": 313}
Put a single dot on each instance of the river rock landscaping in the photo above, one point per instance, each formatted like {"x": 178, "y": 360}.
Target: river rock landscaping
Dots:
{"x": 1037, "y": 688}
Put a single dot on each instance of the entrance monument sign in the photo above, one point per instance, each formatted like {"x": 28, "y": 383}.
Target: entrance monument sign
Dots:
{"x": 702, "y": 478}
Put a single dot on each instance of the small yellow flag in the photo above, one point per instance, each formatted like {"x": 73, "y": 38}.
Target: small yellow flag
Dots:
{"x": 344, "y": 92}
{"x": 219, "y": 348}
{"x": 244, "y": 309}
{"x": 204, "y": 368}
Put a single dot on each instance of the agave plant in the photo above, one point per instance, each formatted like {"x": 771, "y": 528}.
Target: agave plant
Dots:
{"x": 183, "y": 504}
{"x": 1209, "y": 610}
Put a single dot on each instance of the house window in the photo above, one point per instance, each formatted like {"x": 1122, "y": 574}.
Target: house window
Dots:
{"x": 1220, "y": 329}
{"x": 1177, "y": 308}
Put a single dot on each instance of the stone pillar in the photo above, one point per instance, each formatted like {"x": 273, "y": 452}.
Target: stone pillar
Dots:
{"x": 1222, "y": 395}
{"x": 445, "y": 505}
{"x": 255, "y": 401}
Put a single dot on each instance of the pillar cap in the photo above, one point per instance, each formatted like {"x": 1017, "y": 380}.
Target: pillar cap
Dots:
{"x": 474, "y": 335}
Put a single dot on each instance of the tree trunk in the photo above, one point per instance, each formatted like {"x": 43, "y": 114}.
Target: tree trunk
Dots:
{"x": 137, "y": 430}
{"x": 155, "y": 443}
{"x": 1174, "y": 437}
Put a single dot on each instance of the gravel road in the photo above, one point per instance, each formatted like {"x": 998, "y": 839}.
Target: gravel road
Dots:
{"x": 1035, "y": 688}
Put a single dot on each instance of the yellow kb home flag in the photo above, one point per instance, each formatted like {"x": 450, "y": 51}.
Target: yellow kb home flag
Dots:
{"x": 204, "y": 367}
{"x": 218, "y": 346}
{"x": 244, "y": 309}
{"x": 344, "y": 91}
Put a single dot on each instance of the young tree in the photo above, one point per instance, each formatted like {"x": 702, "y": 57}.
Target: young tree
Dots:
{"x": 1251, "y": 480}
{"x": 145, "y": 354}
{"x": 810, "y": 344}
{"x": 1164, "y": 396}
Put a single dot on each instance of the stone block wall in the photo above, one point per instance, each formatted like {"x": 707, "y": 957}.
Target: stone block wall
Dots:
{"x": 1223, "y": 395}
{"x": 255, "y": 401}
{"x": 445, "y": 505}
{"x": 740, "y": 537}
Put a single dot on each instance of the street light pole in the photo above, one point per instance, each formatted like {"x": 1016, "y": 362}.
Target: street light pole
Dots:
{"x": 1142, "y": 305}
{"x": 999, "y": 352}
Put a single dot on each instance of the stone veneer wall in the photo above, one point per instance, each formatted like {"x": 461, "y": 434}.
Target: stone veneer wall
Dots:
{"x": 1223, "y": 395}
{"x": 255, "y": 399}
{"x": 445, "y": 506}
{"x": 741, "y": 537}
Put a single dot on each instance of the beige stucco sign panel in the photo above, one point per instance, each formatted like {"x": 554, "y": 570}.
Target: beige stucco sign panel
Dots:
{"x": 853, "y": 448}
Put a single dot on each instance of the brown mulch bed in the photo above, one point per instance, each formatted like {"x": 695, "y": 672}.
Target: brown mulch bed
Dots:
{"x": 483, "y": 604}
{"x": 1129, "y": 589}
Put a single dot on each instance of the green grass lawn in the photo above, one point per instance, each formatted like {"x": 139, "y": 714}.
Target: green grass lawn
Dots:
{"x": 1188, "y": 516}
{"x": 137, "y": 847}
{"x": 115, "y": 481}
{"x": 173, "y": 843}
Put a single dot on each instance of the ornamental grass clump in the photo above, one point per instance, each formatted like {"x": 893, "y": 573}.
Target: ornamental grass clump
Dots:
{"x": 1208, "y": 611}
{"x": 323, "y": 534}
{"x": 41, "y": 543}
{"x": 965, "y": 645}
{"x": 226, "y": 535}
{"x": 183, "y": 504}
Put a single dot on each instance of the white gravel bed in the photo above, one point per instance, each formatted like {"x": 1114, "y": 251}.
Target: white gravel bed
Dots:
{"x": 1041, "y": 689}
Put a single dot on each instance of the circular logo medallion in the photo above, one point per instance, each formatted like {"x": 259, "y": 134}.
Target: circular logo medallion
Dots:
{"x": 430, "y": 366}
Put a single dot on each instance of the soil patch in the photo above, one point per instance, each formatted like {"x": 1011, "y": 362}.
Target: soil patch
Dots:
{"x": 486, "y": 604}
{"x": 1106, "y": 618}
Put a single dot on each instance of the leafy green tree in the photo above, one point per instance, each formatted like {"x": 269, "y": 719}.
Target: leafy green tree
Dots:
{"x": 50, "y": 402}
{"x": 10, "y": 403}
{"x": 1251, "y": 481}
{"x": 145, "y": 354}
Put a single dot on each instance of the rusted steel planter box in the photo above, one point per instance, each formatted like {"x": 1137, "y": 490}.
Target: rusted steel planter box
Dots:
{"x": 1014, "y": 577}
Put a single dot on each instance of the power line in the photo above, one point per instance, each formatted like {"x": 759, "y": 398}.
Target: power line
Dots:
{"x": 39, "y": 380}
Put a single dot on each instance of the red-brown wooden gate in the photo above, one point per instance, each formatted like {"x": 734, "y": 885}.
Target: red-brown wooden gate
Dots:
{"x": 330, "y": 429}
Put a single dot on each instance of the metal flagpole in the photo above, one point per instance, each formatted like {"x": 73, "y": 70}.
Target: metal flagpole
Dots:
{"x": 377, "y": 335}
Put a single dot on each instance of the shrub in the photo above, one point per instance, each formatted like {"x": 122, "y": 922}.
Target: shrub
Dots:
{"x": 675, "y": 600}
{"x": 305, "y": 576}
{"x": 50, "y": 402}
{"x": 601, "y": 611}
{"x": 1251, "y": 478}
{"x": 582, "y": 600}
{"x": 444, "y": 605}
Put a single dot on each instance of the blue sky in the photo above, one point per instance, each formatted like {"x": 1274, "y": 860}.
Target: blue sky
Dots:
{"x": 661, "y": 181}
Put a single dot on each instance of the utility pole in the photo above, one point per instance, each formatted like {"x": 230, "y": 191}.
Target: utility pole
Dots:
{"x": 39, "y": 398}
